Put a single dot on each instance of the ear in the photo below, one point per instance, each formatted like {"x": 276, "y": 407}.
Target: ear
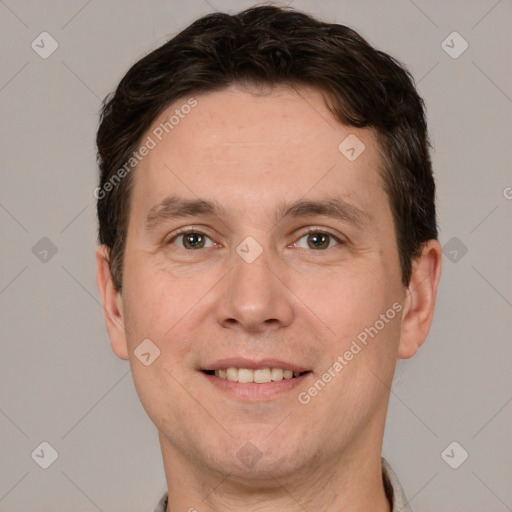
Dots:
{"x": 112, "y": 303}
{"x": 421, "y": 299}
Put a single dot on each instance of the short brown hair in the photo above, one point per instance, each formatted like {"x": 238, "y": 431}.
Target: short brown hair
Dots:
{"x": 267, "y": 46}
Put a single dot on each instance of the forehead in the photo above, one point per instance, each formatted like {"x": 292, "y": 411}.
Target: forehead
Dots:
{"x": 255, "y": 148}
{"x": 284, "y": 118}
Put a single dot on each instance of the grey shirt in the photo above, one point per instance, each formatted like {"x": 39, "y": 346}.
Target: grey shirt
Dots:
{"x": 392, "y": 487}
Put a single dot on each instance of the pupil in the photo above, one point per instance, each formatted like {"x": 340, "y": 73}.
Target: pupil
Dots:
{"x": 193, "y": 240}
{"x": 318, "y": 240}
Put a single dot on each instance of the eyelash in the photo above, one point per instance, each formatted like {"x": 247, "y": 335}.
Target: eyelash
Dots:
{"x": 188, "y": 231}
{"x": 322, "y": 232}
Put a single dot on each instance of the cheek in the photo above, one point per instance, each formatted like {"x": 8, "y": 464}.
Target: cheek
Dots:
{"x": 163, "y": 307}
{"x": 349, "y": 299}
{"x": 362, "y": 311}
{"x": 149, "y": 302}
{"x": 360, "y": 356}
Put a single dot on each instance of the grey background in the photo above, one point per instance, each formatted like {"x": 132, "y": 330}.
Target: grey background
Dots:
{"x": 60, "y": 382}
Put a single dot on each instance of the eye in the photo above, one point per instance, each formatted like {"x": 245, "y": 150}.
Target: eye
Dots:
{"x": 191, "y": 240}
{"x": 318, "y": 240}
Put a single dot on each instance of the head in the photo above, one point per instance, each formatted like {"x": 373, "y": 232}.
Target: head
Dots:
{"x": 266, "y": 194}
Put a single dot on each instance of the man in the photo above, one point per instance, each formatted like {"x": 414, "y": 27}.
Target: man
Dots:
{"x": 268, "y": 250}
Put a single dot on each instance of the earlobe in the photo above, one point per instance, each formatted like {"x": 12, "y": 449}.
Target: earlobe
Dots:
{"x": 421, "y": 298}
{"x": 112, "y": 303}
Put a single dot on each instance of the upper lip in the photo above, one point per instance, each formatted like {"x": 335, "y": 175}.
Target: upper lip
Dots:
{"x": 252, "y": 364}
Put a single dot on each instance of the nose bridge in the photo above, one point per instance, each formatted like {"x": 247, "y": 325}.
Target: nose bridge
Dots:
{"x": 254, "y": 298}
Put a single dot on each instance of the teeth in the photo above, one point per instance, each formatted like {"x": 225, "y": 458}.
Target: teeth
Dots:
{"x": 245, "y": 375}
{"x": 260, "y": 376}
{"x": 277, "y": 373}
{"x": 231, "y": 374}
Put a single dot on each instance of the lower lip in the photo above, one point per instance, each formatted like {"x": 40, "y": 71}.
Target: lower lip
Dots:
{"x": 253, "y": 391}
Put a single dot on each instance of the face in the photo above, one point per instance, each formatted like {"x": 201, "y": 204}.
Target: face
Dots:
{"x": 254, "y": 243}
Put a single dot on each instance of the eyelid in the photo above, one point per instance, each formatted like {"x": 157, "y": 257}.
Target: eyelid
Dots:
{"x": 325, "y": 231}
{"x": 187, "y": 229}
{"x": 200, "y": 230}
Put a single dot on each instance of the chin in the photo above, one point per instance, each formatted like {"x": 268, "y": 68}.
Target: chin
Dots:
{"x": 259, "y": 460}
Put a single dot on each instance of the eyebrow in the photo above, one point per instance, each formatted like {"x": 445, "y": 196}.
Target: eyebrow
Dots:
{"x": 335, "y": 207}
{"x": 174, "y": 207}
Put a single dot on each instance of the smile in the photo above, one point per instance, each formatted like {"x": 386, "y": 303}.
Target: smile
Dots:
{"x": 258, "y": 376}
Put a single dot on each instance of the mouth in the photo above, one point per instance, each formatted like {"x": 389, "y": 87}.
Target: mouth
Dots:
{"x": 248, "y": 380}
{"x": 258, "y": 376}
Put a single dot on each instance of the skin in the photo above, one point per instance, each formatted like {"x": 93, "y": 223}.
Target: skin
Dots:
{"x": 250, "y": 151}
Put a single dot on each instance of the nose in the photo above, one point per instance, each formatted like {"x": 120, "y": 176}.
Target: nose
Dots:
{"x": 254, "y": 297}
